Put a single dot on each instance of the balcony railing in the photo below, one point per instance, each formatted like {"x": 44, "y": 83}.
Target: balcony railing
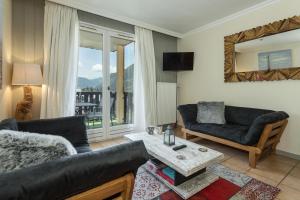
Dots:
{"x": 90, "y": 105}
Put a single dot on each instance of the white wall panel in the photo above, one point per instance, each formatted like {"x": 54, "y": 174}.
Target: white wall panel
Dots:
{"x": 166, "y": 103}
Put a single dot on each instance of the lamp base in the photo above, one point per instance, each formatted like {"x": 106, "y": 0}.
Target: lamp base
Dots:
{"x": 24, "y": 108}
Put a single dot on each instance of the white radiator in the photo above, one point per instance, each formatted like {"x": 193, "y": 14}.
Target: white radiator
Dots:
{"x": 166, "y": 103}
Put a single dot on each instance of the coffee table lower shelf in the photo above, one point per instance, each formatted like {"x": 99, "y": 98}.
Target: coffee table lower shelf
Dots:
{"x": 190, "y": 187}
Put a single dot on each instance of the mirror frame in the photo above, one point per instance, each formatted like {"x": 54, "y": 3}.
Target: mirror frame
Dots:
{"x": 281, "y": 26}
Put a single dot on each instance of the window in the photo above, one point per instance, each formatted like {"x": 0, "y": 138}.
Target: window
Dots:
{"x": 121, "y": 81}
{"x": 89, "y": 95}
{"x": 105, "y": 80}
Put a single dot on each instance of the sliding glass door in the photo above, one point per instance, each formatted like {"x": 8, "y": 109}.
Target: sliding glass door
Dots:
{"x": 104, "y": 93}
{"x": 89, "y": 94}
{"x": 121, "y": 81}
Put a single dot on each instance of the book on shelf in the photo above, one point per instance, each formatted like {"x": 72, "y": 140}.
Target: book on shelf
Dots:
{"x": 169, "y": 172}
{"x": 164, "y": 176}
{"x": 170, "y": 175}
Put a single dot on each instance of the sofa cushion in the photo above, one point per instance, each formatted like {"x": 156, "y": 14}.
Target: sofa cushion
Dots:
{"x": 210, "y": 112}
{"x": 9, "y": 124}
{"x": 243, "y": 116}
{"x": 188, "y": 113}
{"x": 259, "y": 124}
{"x": 231, "y": 132}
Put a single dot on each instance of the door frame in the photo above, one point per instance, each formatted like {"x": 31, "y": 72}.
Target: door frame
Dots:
{"x": 107, "y": 132}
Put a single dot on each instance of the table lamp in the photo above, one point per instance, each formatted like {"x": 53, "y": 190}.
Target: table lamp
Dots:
{"x": 26, "y": 75}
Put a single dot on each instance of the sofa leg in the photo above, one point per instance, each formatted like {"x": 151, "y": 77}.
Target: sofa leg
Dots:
{"x": 274, "y": 147}
{"x": 127, "y": 193}
{"x": 252, "y": 159}
{"x": 258, "y": 157}
{"x": 185, "y": 135}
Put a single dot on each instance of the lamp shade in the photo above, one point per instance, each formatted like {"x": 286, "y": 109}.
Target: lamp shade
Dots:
{"x": 27, "y": 74}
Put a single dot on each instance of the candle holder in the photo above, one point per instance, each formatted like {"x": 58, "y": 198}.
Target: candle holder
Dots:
{"x": 169, "y": 136}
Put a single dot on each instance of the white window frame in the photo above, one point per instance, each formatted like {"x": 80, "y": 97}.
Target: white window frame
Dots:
{"x": 107, "y": 131}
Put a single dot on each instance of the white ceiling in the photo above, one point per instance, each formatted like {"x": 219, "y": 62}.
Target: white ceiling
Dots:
{"x": 173, "y": 16}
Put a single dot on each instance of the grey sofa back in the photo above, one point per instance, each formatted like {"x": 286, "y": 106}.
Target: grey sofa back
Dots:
{"x": 188, "y": 113}
{"x": 233, "y": 114}
{"x": 243, "y": 116}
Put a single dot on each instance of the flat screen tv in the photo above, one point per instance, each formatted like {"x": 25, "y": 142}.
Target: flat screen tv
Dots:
{"x": 178, "y": 61}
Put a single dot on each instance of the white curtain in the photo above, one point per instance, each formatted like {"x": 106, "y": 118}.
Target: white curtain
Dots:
{"x": 145, "y": 80}
{"x": 61, "y": 43}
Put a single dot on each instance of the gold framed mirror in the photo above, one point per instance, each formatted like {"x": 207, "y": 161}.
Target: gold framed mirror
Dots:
{"x": 265, "y": 53}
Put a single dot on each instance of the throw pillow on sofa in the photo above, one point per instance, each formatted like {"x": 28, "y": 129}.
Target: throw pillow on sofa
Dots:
{"x": 22, "y": 149}
{"x": 211, "y": 112}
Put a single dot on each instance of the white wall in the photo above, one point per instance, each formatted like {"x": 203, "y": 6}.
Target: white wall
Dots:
{"x": 5, "y": 92}
{"x": 246, "y": 61}
{"x": 1, "y": 26}
{"x": 206, "y": 82}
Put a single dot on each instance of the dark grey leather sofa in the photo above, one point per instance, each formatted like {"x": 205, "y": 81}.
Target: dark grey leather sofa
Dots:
{"x": 248, "y": 129}
{"x": 72, "y": 175}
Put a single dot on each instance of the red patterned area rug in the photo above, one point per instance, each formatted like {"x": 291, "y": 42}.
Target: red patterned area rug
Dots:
{"x": 231, "y": 185}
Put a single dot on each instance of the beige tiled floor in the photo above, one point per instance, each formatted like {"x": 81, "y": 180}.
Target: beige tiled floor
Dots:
{"x": 276, "y": 170}
{"x": 108, "y": 143}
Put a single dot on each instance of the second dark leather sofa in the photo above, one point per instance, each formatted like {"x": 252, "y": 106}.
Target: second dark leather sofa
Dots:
{"x": 243, "y": 125}
{"x": 249, "y": 129}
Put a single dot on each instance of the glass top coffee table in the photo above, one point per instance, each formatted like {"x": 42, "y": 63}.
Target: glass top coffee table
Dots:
{"x": 187, "y": 161}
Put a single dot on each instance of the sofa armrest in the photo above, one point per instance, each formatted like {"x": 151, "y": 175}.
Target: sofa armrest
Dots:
{"x": 72, "y": 128}
{"x": 72, "y": 175}
{"x": 188, "y": 113}
{"x": 258, "y": 125}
